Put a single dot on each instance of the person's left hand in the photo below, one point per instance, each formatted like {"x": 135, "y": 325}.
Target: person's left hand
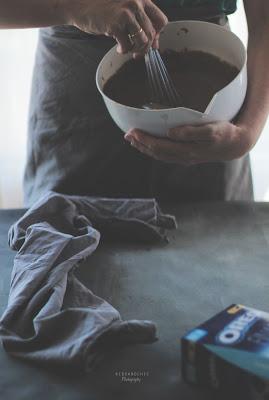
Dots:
{"x": 188, "y": 145}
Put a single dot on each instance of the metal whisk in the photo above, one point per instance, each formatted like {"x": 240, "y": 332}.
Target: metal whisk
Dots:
{"x": 162, "y": 90}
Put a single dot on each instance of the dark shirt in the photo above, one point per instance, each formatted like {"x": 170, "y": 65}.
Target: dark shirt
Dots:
{"x": 223, "y": 6}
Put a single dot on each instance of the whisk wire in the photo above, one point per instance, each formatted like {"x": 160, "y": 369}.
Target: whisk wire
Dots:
{"x": 161, "y": 87}
{"x": 153, "y": 87}
{"x": 174, "y": 97}
{"x": 159, "y": 77}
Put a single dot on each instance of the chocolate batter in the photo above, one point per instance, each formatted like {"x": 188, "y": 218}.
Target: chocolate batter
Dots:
{"x": 197, "y": 77}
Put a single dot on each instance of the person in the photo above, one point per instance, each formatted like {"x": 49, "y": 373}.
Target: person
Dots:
{"x": 74, "y": 147}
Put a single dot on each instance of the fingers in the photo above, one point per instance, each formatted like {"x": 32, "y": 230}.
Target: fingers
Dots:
{"x": 157, "y": 17}
{"x": 124, "y": 44}
{"x": 139, "y": 39}
{"x": 147, "y": 27}
{"x": 128, "y": 25}
{"x": 188, "y": 145}
{"x": 143, "y": 21}
{"x": 155, "y": 43}
{"x": 200, "y": 133}
{"x": 192, "y": 133}
{"x": 158, "y": 152}
{"x": 150, "y": 18}
{"x": 163, "y": 149}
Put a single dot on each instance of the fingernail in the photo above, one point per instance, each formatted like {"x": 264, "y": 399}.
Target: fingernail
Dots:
{"x": 132, "y": 141}
{"x": 128, "y": 136}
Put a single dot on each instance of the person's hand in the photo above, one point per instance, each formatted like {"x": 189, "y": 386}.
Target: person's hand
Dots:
{"x": 141, "y": 19}
{"x": 188, "y": 145}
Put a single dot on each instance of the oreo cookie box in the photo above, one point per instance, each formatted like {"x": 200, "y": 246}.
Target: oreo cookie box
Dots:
{"x": 230, "y": 353}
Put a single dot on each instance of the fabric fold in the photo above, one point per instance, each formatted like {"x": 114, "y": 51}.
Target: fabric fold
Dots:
{"x": 52, "y": 318}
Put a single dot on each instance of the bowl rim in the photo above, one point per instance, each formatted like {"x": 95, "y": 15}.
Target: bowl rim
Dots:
{"x": 209, "y": 106}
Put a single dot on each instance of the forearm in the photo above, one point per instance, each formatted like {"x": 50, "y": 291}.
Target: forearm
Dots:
{"x": 31, "y": 13}
{"x": 256, "y": 107}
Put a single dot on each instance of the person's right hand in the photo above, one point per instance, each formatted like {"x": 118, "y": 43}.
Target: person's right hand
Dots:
{"x": 118, "y": 19}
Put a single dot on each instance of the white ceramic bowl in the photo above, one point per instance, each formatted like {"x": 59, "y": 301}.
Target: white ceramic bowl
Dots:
{"x": 179, "y": 35}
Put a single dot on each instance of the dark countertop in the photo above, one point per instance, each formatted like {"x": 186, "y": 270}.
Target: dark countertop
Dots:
{"x": 218, "y": 256}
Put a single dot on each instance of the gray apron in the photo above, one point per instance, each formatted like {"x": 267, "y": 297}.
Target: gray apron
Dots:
{"x": 74, "y": 147}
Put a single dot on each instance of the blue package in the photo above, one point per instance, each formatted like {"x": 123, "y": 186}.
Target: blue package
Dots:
{"x": 230, "y": 353}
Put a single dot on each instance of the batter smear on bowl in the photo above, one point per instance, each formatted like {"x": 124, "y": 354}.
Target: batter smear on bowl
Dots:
{"x": 196, "y": 75}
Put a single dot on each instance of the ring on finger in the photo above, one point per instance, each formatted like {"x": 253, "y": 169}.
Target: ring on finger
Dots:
{"x": 132, "y": 35}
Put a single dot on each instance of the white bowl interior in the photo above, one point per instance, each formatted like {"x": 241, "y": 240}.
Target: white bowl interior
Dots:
{"x": 181, "y": 35}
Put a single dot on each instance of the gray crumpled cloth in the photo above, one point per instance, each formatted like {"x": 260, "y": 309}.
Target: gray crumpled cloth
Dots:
{"x": 51, "y": 317}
